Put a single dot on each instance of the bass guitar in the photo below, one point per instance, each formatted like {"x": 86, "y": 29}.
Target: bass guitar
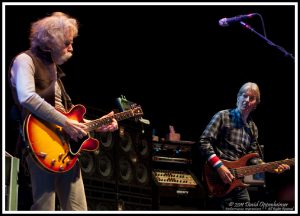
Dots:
{"x": 215, "y": 185}
{"x": 53, "y": 149}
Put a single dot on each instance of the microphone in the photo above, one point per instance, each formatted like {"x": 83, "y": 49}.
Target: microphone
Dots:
{"x": 227, "y": 21}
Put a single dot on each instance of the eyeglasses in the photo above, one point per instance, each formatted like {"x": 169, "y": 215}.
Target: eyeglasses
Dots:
{"x": 68, "y": 43}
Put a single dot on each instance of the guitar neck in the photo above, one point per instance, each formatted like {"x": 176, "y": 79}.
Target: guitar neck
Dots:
{"x": 92, "y": 125}
{"x": 265, "y": 167}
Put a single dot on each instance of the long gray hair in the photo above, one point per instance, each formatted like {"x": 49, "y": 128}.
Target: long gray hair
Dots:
{"x": 50, "y": 32}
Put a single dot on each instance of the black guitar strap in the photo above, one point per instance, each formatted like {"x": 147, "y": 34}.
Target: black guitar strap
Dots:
{"x": 66, "y": 98}
{"x": 255, "y": 141}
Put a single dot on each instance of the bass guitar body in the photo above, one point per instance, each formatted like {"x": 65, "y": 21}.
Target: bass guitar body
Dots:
{"x": 239, "y": 169}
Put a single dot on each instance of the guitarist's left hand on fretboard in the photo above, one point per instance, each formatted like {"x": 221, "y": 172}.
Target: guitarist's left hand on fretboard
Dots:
{"x": 281, "y": 168}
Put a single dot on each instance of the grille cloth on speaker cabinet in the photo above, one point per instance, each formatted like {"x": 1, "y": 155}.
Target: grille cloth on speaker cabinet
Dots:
{"x": 99, "y": 164}
{"x": 119, "y": 174}
{"x": 134, "y": 153}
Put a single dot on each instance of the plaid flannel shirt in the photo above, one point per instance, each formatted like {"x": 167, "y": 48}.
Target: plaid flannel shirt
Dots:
{"x": 228, "y": 137}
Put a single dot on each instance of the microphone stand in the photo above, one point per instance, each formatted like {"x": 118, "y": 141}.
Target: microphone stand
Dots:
{"x": 267, "y": 40}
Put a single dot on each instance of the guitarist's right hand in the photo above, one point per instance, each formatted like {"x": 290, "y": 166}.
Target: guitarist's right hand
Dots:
{"x": 225, "y": 174}
{"x": 75, "y": 129}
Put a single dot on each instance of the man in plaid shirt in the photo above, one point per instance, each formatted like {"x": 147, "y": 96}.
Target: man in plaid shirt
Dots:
{"x": 230, "y": 135}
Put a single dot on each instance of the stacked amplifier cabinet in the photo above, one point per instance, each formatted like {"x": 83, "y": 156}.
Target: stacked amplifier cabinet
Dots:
{"x": 175, "y": 185}
{"x": 118, "y": 176}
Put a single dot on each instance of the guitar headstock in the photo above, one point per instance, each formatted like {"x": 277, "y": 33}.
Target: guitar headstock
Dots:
{"x": 137, "y": 111}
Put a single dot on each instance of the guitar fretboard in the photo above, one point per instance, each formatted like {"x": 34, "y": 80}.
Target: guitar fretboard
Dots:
{"x": 265, "y": 167}
{"x": 92, "y": 125}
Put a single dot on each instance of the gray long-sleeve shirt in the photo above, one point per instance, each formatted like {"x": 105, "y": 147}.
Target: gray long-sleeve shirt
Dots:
{"x": 22, "y": 78}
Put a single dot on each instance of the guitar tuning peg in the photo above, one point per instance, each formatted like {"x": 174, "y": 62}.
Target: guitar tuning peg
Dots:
{"x": 133, "y": 105}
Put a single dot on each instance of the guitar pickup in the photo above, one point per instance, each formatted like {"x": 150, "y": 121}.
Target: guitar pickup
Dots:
{"x": 42, "y": 155}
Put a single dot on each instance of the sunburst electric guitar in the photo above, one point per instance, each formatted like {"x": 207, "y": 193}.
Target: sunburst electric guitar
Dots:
{"x": 215, "y": 185}
{"x": 54, "y": 150}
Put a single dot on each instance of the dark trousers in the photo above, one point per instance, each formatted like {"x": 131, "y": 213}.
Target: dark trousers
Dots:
{"x": 234, "y": 199}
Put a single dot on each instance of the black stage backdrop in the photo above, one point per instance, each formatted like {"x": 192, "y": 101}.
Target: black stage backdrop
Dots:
{"x": 177, "y": 63}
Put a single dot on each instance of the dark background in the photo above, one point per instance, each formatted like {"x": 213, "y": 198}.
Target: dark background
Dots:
{"x": 178, "y": 64}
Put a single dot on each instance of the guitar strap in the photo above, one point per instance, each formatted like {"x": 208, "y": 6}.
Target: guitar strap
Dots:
{"x": 259, "y": 150}
{"x": 255, "y": 141}
{"x": 66, "y": 98}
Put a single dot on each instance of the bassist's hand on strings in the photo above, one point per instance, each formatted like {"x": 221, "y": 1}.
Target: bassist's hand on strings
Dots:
{"x": 281, "y": 168}
{"x": 225, "y": 174}
{"x": 75, "y": 129}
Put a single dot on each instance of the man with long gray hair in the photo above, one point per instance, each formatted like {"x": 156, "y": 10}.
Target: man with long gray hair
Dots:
{"x": 35, "y": 79}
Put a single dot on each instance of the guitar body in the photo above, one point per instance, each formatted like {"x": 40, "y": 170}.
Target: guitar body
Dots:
{"x": 50, "y": 145}
{"x": 214, "y": 183}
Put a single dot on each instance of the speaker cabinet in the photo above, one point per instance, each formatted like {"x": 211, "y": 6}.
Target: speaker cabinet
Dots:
{"x": 99, "y": 163}
{"x": 98, "y": 167}
{"x": 118, "y": 175}
{"x": 104, "y": 201}
{"x": 99, "y": 200}
{"x": 134, "y": 202}
{"x": 134, "y": 153}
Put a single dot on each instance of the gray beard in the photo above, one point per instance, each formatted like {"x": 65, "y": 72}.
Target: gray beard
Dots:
{"x": 60, "y": 59}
